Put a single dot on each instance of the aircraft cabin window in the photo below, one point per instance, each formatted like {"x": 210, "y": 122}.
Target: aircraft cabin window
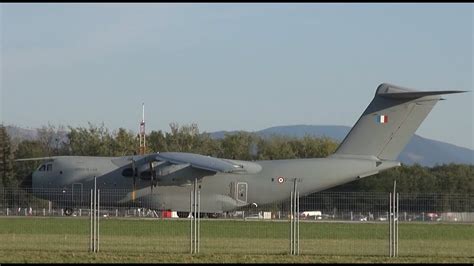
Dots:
{"x": 42, "y": 168}
{"x": 49, "y": 167}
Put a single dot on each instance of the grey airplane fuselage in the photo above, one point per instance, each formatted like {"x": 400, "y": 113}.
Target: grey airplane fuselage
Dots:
{"x": 218, "y": 192}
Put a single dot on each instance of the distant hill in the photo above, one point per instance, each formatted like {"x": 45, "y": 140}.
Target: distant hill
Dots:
{"x": 426, "y": 152}
{"x": 18, "y": 134}
{"x": 21, "y": 133}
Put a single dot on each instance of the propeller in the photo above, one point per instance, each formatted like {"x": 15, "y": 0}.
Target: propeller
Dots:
{"x": 134, "y": 173}
{"x": 152, "y": 176}
{"x": 137, "y": 172}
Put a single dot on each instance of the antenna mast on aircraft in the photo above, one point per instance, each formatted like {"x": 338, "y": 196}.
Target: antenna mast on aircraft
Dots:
{"x": 142, "y": 149}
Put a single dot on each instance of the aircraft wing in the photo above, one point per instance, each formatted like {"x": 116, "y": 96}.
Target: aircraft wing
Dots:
{"x": 200, "y": 162}
{"x": 175, "y": 168}
{"x": 50, "y": 158}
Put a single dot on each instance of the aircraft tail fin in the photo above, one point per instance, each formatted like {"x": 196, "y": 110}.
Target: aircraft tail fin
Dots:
{"x": 389, "y": 122}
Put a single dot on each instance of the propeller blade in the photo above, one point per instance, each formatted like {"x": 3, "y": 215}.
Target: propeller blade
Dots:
{"x": 134, "y": 171}
{"x": 151, "y": 176}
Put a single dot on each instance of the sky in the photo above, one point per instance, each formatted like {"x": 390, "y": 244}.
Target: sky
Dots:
{"x": 234, "y": 66}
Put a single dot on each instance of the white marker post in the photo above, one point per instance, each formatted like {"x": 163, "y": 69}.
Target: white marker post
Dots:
{"x": 94, "y": 213}
{"x": 98, "y": 215}
{"x": 191, "y": 219}
{"x": 398, "y": 198}
{"x": 294, "y": 220}
{"x": 195, "y": 220}
{"x": 390, "y": 223}
{"x": 91, "y": 249}
{"x": 291, "y": 222}
{"x": 393, "y": 221}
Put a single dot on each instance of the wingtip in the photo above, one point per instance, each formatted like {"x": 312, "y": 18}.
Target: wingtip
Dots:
{"x": 456, "y": 91}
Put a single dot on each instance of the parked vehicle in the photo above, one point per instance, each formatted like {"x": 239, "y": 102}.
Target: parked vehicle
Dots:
{"x": 316, "y": 215}
{"x": 254, "y": 216}
{"x": 361, "y": 218}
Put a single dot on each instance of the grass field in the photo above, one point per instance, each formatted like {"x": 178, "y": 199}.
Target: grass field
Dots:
{"x": 36, "y": 239}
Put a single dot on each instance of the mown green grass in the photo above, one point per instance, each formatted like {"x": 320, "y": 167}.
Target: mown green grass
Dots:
{"x": 156, "y": 240}
{"x": 129, "y": 257}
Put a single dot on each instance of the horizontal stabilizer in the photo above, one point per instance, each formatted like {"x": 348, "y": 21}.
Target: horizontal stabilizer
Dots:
{"x": 414, "y": 95}
{"x": 397, "y": 92}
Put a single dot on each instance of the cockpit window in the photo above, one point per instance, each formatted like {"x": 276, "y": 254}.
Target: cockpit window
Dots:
{"x": 42, "y": 168}
{"x": 49, "y": 167}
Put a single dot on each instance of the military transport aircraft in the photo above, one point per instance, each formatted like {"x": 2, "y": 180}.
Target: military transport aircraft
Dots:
{"x": 163, "y": 181}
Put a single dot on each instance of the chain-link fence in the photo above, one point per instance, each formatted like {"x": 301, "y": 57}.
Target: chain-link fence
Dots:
{"x": 346, "y": 224}
{"x": 343, "y": 223}
{"x": 30, "y": 223}
{"x": 436, "y": 225}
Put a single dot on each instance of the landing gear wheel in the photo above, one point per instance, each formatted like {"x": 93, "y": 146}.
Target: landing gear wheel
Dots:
{"x": 68, "y": 211}
{"x": 213, "y": 215}
{"x": 183, "y": 214}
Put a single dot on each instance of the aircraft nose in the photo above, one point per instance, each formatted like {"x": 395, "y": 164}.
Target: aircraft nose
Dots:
{"x": 27, "y": 182}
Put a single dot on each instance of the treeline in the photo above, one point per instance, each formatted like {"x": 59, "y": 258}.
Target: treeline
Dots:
{"x": 99, "y": 141}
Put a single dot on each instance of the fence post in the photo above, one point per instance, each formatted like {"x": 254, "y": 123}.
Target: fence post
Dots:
{"x": 98, "y": 217}
{"x": 294, "y": 220}
{"x": 191, "y": 219}
{"x": 395, "y": 218}
{"x": 199, "y": 220}
{"x": 291, "y": 222}
{"x": 95, "y": 213}
{"x": 298, "y": 222}
{"x": 91, "y": 222}
{"x": 393, "y": 221}
{"x": 398, "y": 218}
{"x": 195, "y": 217}
{"x": 390, "y": 223}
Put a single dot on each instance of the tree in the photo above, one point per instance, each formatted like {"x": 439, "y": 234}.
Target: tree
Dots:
{"x": 94, "y": 141}
{"x": 53, "y": 140}
{"x": 182, "y": 138}
{"x": 238, "y": 146}
{"x": 6, "y": 169}
{"x": 124, "y": 143}
{"x": 311, "y": 147}
{"x": 156, "y": 142}
{"x": 28, "y": 149}
{"x": 276, "y": 147}
{"x": 208, "y": 146}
